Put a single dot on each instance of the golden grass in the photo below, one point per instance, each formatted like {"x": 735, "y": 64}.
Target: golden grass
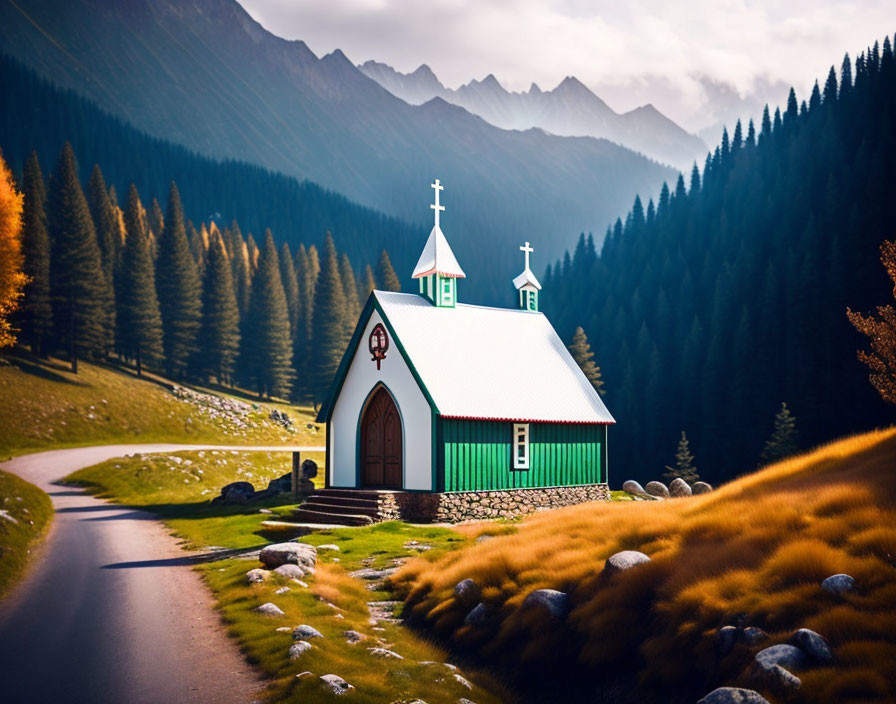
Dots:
{"x": 758, "y": 546}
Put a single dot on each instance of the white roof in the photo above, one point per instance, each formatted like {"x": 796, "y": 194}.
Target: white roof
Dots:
{"x": 437, "y": 258}
{"x": 492, "y": 363}
{"x": 527, "y": 277}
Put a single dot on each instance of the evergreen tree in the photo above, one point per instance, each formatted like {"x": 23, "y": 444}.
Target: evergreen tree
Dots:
{"x": 37, "y": 311}
{"x": 329, "y": 328}
{"x": 290, "y": 287}
{"x": 219, "y": 335}
{"x": 178, "y": 288}
{"x": 270, "y": 359}
{"x": 76, "y": 275}
{"x": 386, "y": 277}
{"x": 350, "y": 284}
{"x": 368, "y": 283}
{"x": 105, "y": 222}
{"x": 581, "y": 352}
{"x": 782, "y": 443}
{"x": 139, "y": 319}
{"x": 684, "y": 463}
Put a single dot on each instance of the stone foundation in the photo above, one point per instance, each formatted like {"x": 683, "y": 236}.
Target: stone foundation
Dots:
{"x": 476, "y": 505}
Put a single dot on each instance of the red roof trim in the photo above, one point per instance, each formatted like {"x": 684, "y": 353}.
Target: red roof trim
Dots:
{"x": 440, "y": 273}
{"x": 531, "y": 420}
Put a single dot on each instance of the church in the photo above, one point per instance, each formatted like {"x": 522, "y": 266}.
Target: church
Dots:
{"x": 443, "y": 410}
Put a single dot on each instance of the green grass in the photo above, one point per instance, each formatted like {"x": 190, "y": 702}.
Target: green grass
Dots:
{"x": 31, "y": 512}
{"x": 45, "y": 406}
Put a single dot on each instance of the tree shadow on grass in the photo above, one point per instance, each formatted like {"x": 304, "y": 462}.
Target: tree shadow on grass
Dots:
{"x": 43, "y": 368}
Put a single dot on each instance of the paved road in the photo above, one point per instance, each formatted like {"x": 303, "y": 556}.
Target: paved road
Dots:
{"x": 111, "y": 610}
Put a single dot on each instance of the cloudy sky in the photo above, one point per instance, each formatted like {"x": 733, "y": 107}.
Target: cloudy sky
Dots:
{"x": 699, "y": 61}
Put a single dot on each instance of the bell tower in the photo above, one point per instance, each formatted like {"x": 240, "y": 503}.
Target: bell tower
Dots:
{"x": 437, "y": 269}
{"x": 527, "y": 284}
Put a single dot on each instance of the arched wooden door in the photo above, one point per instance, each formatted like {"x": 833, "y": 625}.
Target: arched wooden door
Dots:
{"x": 381, "y": 443}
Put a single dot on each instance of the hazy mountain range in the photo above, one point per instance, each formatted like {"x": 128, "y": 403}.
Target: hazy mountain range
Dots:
{"x": 570, "y": 109}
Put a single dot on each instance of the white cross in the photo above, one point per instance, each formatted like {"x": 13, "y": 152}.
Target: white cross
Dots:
{"x": 437, "y": 187}
{"x": 527, "y": 249}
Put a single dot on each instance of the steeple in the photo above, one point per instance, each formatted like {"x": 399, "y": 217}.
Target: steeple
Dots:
{"x": 527, "y": 284}
{"x": 437, "y": 267}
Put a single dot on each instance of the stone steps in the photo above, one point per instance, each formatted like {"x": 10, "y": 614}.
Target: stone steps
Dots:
{"x": 313, "y": 515}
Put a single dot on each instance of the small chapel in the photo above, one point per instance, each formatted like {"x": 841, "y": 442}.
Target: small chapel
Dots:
{"x": 441, "y": 410}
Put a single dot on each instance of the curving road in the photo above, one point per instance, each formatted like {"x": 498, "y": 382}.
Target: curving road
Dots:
{"x": 111, "y": 611}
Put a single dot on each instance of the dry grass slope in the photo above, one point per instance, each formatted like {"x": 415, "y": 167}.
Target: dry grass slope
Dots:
{"x": 25, "y": 515}
{"x": 758, "y": 546}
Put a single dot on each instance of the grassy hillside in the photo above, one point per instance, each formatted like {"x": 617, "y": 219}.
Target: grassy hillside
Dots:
{"x": 45, "y": 406}
{"x": 25, "y": 513}
{"x": 758, "y": 547}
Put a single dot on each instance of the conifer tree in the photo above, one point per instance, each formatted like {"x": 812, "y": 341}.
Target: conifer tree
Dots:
{"x": 155, "y": 219}
{"x": 270, "y": 356}
{"x": 105, "y": 225}
{"x": 350, "y": 284}
{"x": 581, "y": 352}
{"x": 684, "y": 463}
{"x": 76, "y": 275}
{"x": 328, "y": 331}
{"x": 290, "y": 287}
{"x": 178, "y": 288}
{"x": 139, "y": 320}
{"x": 306, "y": 267}
{"x": 386, "y": 278}
{"x": 368, "y": 283}
{"x": 219, "y": 335}
{"x": 12, "y": 278}
{"x": 37, "y": 311}
{"x": 782, "y": 443}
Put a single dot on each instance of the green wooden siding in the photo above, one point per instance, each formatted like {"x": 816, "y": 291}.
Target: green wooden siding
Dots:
{"x": 476, "y": 455}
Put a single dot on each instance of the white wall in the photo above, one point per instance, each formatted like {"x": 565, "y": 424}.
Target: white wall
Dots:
{"x": 416, "y": 415}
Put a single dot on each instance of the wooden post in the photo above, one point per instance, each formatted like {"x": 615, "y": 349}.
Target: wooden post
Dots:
{"x": 296, "y": 474}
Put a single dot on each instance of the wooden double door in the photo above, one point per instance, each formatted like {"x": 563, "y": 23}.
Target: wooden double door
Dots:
{"x": 381, "y": 455}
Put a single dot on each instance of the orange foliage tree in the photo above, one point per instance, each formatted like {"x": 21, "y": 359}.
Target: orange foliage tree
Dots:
{"x": 881, "y": 329}
{"x": 12, "y": 278}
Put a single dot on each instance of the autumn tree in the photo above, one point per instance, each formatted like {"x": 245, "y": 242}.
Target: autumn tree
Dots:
{"x": 581, "y": 352}
{"x": 880, "y": 328}
{"x": 37, "y": 311}
{"x": 782, "y": 443}
{"x": 684, "y": 463}
{"x": 12, "y": 278}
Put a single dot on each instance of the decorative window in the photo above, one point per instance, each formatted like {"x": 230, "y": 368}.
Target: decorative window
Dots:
{"x": 532, "y": 302}
{"x": 521, "y": 446}
{"x": 378, "y": 344}
{"x": 447, "y": 298}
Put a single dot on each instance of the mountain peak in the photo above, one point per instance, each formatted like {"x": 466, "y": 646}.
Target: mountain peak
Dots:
{"x": 490, "y": 81}
{"x": 571, "y": 84}
{"x": 534, "y": 89}
{"x": 424, "y": 71}
{"x": 338, "y": 56}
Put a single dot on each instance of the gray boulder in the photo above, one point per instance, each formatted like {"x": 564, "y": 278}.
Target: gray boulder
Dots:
{"x": 467, "y": 592}
{"x": 813, "y": 644}
{"x": 753, "y": 635}
{"x": 787, "y": 656}
{"x": 353, "y": 636}
{"x": 838, "y": 584}
{"x": 297, "y": 648}
{"x": 700, "y": 488}
{"x": 679, "y": 487}
{"x": 305, "y": 631}
{"x": 335, "y": 684}
{"x": 269, "y": 609}
{"x": 280, "y": 485}
{"x": 290, "y": 571}
{"x": 384, "y": 653}
{"x": 479, "y": 616}
{"x": 625, "y": 560}
{"x": 556, "y": 603}
{"x": 235, "y": 493}
{"x": 257, "y": 575}
{"x": 301, "y": 554}
{"x": 632, "y": 487}
{"x": 657, "y": 489}
{"x": 733, "y": 695}
{"x": 725, "y": 639}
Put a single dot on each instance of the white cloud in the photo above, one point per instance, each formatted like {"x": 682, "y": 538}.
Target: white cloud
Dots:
{"x": 630, "y": 53}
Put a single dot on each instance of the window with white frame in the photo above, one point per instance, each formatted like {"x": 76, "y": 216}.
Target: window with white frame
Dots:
{"x": 447, "y": 298}
{"x": 521, "y": 446}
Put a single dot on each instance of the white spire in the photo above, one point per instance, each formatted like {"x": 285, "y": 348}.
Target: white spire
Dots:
{"x": 437, "y": 257}
{"x": 527, "y": 277}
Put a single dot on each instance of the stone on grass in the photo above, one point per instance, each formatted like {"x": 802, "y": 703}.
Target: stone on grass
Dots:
{"x": 257, "y": 575}
{"x": 838, "y": 584}
{"x": 772, "y": 667}
{"x": 679, "y": 487}
{"x": 235, "y": 493}
{"x": 384, "y": 653}
{"x": 281, "y": 590}
{"x": 701, "y": 488}
{"x": 464, "y": 700}
{"x": 463, "y": 681}
{"x": 336, "y": 684}
{"x": 657, "y": 489}
{"x": 297, "y": 648}
{"x": 787, "y": 656}
{"x": 725, "y": 639}
{"x": 554, "y": 602}
{"x": 625, "y": 560}
{"x": 328, "y": 546}
{"x": 467, "y": 592}
{"x": 353, "y": 636}
{"x": 290, "y": 571}
{"x": 813, "y": 644}
{"x": 632, "y": 487}
{"x": 479, "y": 616}
{"x": 733, "y": 695}
{"x": 752, "y": 635}
{"x": 269, "y": 609}
{"x": 301, "y": 554}
{"x": 305, "y": 631}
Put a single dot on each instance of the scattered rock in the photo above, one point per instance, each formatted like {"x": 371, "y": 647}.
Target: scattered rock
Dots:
{"x": 235, "y": 493}
{"x": 290, "y": 571}
{"x": 283, "y": 629}
{"x": 257, "y": 575}
{"x": 301, "y": 554}
{"x": 633, "y": 487}
{"x": 753, "y": 635}
{"x": 5, "y": 514}
{"x": 269, "y": 609}
{"x": 370, "y": 573}
{"x": 702, "y": 488}
{"x": 788, "y": 656}
{"x": 725, "y": 639}
{"x": 384, "y": 653}
{"x": 306, "y": 673}
{"x": 679, "y": 487}
{"x": 838, "y": 584}
{"x": 733, "y": 695}
{"x": 463, "y": 700}
{"x": 305, "y": 631}
{"x": 281, "y": 590}
{"x": 467, "y": 592}
{"x": 297, "y": 648}
{"x": 657, "y": 489}
{"x": 336, "y": 684}
{"x": 353, "y": 636}
{"x": 479, "y": 616}
{"x": 328, "y": 546}
{"x": 813, "y": 644}
{"x": 554, "y": 602}
{"x": 772, "y": 667}
{"x": 463, "y": 681}
{"x": 625, "y": 560}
